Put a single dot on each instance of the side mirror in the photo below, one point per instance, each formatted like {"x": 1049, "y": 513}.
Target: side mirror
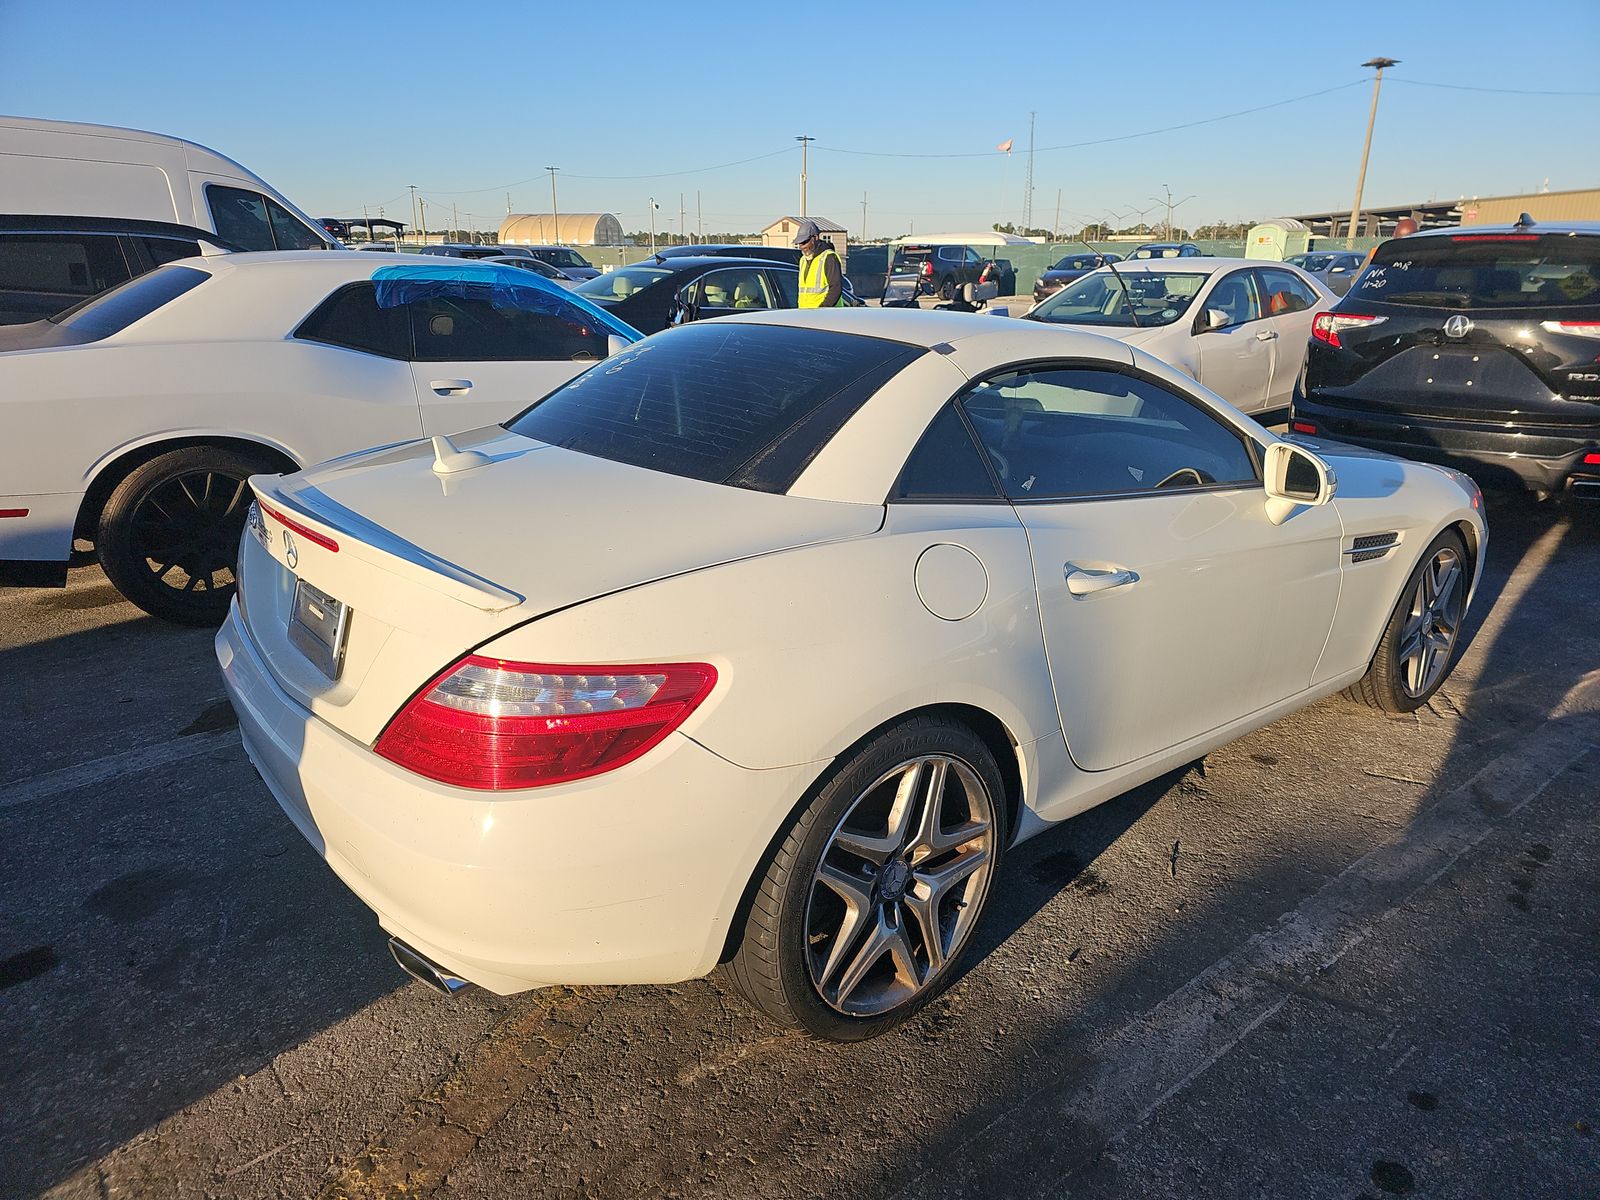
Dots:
{"x": 1337, "y": 270}
{"x": 1215, "y": 318}
{"x": 1295, "y": 478}
{"x": 683, "y": 307}
{"x": 616, "y": 344}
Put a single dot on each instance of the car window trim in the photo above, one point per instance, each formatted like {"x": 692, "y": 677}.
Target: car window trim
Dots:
{"x": 1198, "y": 326}
{"x": 1253, "y": 449}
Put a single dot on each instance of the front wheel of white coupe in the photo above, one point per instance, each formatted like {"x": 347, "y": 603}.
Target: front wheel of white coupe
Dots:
{"x": 1419, "y": 644}
{"x": 872, "y": 898}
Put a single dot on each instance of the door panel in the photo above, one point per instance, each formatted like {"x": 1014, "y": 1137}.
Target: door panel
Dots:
{"x": 1228, "y": 613}
{"x": 495, "y": 391}
{"x": 1236, "y": 360}
{"x": 1290, "y": 305}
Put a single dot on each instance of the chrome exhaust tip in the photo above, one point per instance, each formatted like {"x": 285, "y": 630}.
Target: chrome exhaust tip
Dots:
{"x": 421, "y": 967}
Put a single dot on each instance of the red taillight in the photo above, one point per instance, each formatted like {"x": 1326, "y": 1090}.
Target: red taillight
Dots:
{"x": 1591, "y": 460}
{"x": 1302, "y": 427}
{"x": 927, "y": 267}
{"x": 1327, "y": 326}
{"x": 1580, "y": 328}
{"x": 494, "y": 725}
{"x": 305, "y": 531}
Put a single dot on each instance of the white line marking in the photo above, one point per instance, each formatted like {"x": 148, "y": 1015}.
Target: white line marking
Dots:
{"x": 99, "y": 770}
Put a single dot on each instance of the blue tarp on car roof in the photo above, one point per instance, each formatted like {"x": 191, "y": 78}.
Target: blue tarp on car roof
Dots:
{"x": 501, "y": 286}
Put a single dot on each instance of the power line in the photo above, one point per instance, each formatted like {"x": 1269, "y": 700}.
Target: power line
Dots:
{"x": 500, "y": 187}
{"x": 1468, "y": 87}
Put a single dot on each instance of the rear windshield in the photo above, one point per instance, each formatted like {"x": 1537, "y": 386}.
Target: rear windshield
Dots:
{"x": 560, "y": 256}
{"x": 113, "y": 311}
{"x": 748, "y": 405}
{"x": 1469, "y": 271}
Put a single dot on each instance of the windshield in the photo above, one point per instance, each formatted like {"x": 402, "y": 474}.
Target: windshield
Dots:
{"x": 1159, "y": 298}
{"x": 562, "y": 257}
{"x": 1485, "y": 271}
{"x": 622, "y": 283}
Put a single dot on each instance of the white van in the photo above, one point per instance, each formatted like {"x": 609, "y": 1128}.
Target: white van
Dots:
{"x": 64, "y": 169}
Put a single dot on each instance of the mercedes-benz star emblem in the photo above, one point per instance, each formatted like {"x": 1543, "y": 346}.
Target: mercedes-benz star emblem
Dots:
{"x": 289, "y": 551}
{"x": 1458, "y": 326}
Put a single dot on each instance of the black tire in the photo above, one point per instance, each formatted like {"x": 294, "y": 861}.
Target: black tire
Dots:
{"x": 169, "y": 533}
{"x": 947, "y": 289}
{"x": 1385, "y": 685}
{"x": 771, "y": 967}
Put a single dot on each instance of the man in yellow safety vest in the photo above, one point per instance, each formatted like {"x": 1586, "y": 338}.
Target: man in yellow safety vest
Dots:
{"x": 821, "y": 276}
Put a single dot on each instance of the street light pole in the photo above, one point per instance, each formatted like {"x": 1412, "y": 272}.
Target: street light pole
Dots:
{"x": 805, "y": 144}
{"x": 1372, "y": 117}
{"x": 413, "y": 188}
{"x": 555, "y": 212}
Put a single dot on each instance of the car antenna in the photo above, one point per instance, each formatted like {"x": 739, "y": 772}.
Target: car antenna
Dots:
{"x": 1127, "y": 296}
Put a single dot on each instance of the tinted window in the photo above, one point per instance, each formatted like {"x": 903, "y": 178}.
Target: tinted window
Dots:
{"x": 240, "y": 216}
{"x": 1485, "y": 271}
{"x": 163, "y": 250}
{"x": 622, "y": 283}
{"x": 1070, "y": 432}
{"x": 718, "y": 401}
{"x": 735, "y": 288}
{"x": 289, "y": 232}
{"x": 1236, "y": 297}
{"x": 351, "y": 318}
{"x": 53, "y": 270}
{"x": 1285, "y": 292}
{"x": 946, "y": 465}
{"x": 134, "y": 300}
{"x": 788, "y": 283}
{"x": 463, "y": 329}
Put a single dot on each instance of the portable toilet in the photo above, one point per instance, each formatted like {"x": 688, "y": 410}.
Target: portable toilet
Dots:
{"x": 1277, "y": 239}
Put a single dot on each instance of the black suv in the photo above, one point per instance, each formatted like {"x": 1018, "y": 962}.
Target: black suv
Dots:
{"x": 51, "y": 263}
{"x": 1472, "y": 346}
{"x": 943, "y": 268}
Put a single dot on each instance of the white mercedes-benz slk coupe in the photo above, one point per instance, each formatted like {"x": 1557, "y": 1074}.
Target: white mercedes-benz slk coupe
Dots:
{"x": 132, "y": 420}
{"x": 761, "y": 642}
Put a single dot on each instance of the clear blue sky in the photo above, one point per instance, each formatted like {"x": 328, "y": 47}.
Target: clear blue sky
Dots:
{"x": 464, "y": 99}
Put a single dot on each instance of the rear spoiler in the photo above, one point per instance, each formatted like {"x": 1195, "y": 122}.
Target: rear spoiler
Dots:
{"x": 372, "y": 544}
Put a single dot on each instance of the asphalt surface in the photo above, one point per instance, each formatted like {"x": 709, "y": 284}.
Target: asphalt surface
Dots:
{"x": 1347, "y": 956}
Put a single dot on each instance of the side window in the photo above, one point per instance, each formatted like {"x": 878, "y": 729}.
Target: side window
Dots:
{"x": 42, "y": 273}
{"x": 1057, "y": 433}
{"x": 1285, "y": 292}
{"x": 351, "y": 318}
{"x": 788, "y": 285}
{"x": 1234, "y": 296}
{"x": 461, "y": 329}
{"x": 737, "y": 289}
{"x": 950, "y": 253}
{"x": 240, "y": 216}
{"x": 162, "y": 250}
{"x": 945, "y": 465}
{"x": 289, "y": 232}
{"x": 974, "y": 259}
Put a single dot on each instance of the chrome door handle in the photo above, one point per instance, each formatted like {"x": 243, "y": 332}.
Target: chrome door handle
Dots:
{"x": 1266, "y": 335}
{"x": 1082, "y": 581}
{"x": 451, "y": 387}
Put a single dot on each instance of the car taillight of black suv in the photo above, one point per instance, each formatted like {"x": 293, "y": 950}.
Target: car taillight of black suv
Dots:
{"x": 1476, "y": 347}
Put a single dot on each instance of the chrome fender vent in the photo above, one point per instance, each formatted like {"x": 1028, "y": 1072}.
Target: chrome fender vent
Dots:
{"x": 1370, "y": 546}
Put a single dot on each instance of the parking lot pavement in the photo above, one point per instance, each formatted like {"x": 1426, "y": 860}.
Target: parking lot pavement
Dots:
{"x": 1348, "y": 955}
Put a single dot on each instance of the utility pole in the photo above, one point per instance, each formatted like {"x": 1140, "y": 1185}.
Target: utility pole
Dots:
{"x": 1171, "y": 204}
{"x": 1055, "y": 230}
{"x": 699, "y": 217}
{"x": 683, "y": 235}
{"x": 863, "y": 216}
{"x": 508, "y": 204}
{"x": 805, "y": 141}
{"x": 413, "y": 188}
{"x": 653, "y": 207}
{"x": 555, "y": 212}
{"x": 422, "y": 206}
{"x": 455, "y": 222}
{"x": 1027, "y": 187}
{"x": 1361, "y": 178}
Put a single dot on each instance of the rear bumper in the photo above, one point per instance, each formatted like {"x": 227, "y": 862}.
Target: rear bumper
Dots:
{"x": 633, "y": 877}
{"x": 1541, "y": 458}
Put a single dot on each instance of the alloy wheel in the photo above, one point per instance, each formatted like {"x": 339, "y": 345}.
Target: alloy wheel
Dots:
{"x": 1428, "y": 634}
{"x": 899, "y": 886}
{"x": 186, "y": 530}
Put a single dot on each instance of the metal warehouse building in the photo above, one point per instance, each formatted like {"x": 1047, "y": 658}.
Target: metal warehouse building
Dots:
{"x": 565, "y": 229}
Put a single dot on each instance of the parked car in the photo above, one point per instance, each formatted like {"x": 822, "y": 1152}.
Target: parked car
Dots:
{"x": 1070, "y": 267}
{"x": 464, "y": 250}
{"x": 660, "y": 292}
{"x": 563, "y": 258}
{"x": 133, "y": 420}
{"x": 779, "y": 671}
{"x": 1239, "y": 326}
{"x": 1336, "y": 270}
{"x": 783, "y": 254}
{"x": 536, "y": 265}
{"x": 50, "y": 263}
{"x": 1471, "y": 346}
{"x": 1167, "y": 250}
{"x": 943, "y": 268}
{"x": 61, "y": 168}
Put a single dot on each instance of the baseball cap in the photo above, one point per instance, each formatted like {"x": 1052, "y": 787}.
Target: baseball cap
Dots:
{"x": 808, "y": 230}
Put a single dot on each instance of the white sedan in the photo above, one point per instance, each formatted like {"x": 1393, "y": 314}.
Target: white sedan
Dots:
{"x": 761, "y": 643}
{"x": 133, "y": 420}
{"x": 1239, "y": 326}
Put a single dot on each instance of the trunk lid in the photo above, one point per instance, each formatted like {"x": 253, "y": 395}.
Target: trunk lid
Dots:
{"x": 431, "y": 566}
